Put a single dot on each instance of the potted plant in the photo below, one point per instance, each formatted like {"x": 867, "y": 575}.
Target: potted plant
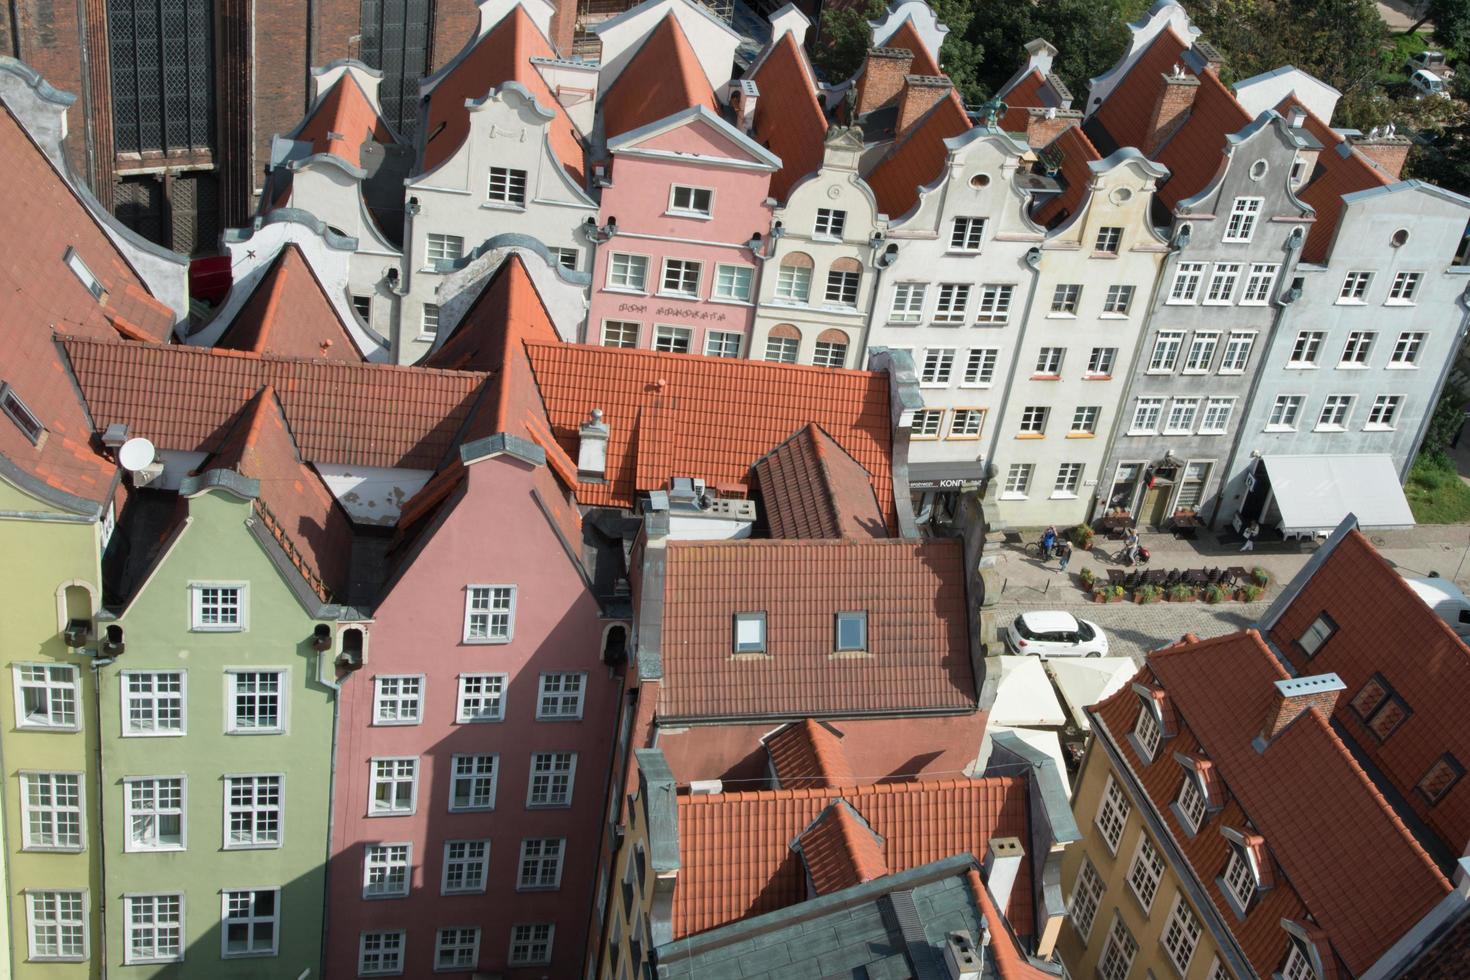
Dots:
{"x": 1214, "y": 594}
{"x": 1260, "y": 576}
{"x": 1100, "y": 594}
{"x": 1145, "y": 594}
{"x": 1115, "y": 593}
{"x": 1180, "y": 592}
{"x": 1088, "y": 578}
{"x": 1082, "y": 536}
{"x": 1250, "y": 593}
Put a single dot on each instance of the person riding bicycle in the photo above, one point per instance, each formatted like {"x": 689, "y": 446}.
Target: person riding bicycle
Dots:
{"x": 1049, "y": 541}
{"x": 1130, "y": 546}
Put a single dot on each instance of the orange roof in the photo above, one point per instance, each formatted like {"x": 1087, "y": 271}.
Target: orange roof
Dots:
{"x": 907, "y": 37}
{"x": 1196, "y": 151}
{"x": 735, "y": 857}
{"x": 1025, "y": 94}
{"x": 789, "y": 120}
{"x": 811, "y": 487}
{"x": 1340, "y": 170}
{"x": 918, "y": 646}
{"x": 663, "y": 78}
{"x": 289, "y": 313}
{"x": 1077, "y": 153}
{"x": 508, "y": 308}
{"x": 1320, "y": 816}
{"x": 840, "y": 850}
{"x": 1384, "y": 628}
{"x": 808, "y": 753}
{"x": 919, "y": 157}
{"x": 1126, "y": 111}
{"x": 502, "y": 55}
{"x": 343, "y": 120}
{"x": 671, "y": 415}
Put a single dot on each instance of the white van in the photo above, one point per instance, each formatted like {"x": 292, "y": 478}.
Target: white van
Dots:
{"x": 1428, "y": 83}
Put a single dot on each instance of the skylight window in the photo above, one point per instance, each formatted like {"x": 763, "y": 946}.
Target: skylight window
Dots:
{"x": 79, "y": 268}
{"x": 750, "y": 632}
{"x": 852, "y": 631}
{"x": 23, "y": 417}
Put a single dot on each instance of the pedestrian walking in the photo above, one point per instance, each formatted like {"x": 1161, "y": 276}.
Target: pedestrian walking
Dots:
{"x": 1251, "y": 530}
{"x": 1064, "y": 553}
{"x": 1048, "y": 541}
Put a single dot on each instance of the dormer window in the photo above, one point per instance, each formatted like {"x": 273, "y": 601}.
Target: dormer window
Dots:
{"x": 1239, "y": 880}
{"x": 1318, "y": 632}
{"x": 1147, "y": 732}
{"x": 690, "y": 200}
{"x": 750, "y": 632}
{"x": 1298, "y": 965}
{"x": 23, "y": 417}
{"x": 852, "y": 632}
{"x": 1191, "y": 803}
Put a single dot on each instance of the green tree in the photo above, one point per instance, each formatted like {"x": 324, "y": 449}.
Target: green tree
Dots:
{"x": 845, "y": 37}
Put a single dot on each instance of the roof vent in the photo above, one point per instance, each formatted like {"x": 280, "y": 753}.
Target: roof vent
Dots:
{"x": 706, "y": 787}
{"x": 592, "y": 449}
{"x": 962, "y": 958}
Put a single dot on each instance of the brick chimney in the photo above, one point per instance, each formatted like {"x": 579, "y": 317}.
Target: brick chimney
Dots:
{"x": 882, "y": 78}
{"x": 1294, "y": 697}
{"x": 744, "y": 95}
{"x": 1387, "y": 153}
{"x": 1045, "y": 125}
{"x": 919, "y": 94}
{"x": 1213, "y": 60}
{"x": 1176, "y": 98}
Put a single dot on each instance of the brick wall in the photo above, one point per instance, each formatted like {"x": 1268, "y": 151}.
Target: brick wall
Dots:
{"x": 281, "y": 77}
{"x": 455, "y": 22}
{"x": 51, "y": 39}
{"x": 1176, "y": 98}
{"x": 1287, "y": 710}
{"x": 337, "y": 32}
{"x": 918, "y": 96}
{"x": 883, "y": 77}
{"x": 1041, "y": 128}
{"x": 1388, "y": 153}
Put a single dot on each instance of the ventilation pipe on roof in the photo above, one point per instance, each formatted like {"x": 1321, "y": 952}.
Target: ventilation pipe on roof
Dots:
{"x": 962, "y": 958}
{"x": 1002, "y": 866}
{"x": 592, "y": 448}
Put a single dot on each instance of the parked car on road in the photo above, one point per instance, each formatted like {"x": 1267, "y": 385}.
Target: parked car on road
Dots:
{"x": 1055, "y": 634}
{"x": 1428, "y": 60}
{"x": 1428, "y": 83}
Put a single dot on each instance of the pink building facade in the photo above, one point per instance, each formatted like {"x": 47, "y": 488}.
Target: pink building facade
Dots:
{"x": 675, "y": 269}
{"x": 474, "y": 744}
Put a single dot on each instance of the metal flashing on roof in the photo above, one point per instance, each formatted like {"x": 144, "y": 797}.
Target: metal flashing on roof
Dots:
{"x": 243, "y": 487}
{"x": 502, "y": 444}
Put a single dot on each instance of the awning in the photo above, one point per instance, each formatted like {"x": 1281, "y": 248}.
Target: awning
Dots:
{"x": 1314, "y": 493}
{"x": 1085, "y": 681}
{"x": 945, "y": 476}
{"x": 1024, "y": 695}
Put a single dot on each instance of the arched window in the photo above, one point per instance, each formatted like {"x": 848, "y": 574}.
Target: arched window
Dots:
{"x": 831, "y": 349}
{"x": 842, "y": 282}
{"x": 782, "y": 343}
{"x": 794, "y": 278}
{"x": 615, "y": 645}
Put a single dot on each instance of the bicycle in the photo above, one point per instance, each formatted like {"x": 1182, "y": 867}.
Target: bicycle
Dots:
{"x": 1035, "y": 550}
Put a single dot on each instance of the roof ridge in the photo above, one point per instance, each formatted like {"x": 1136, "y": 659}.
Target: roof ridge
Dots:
{"x": 220, "y": 352}
{"x": 727, "y": 363}
{"x": 920, "y": 544}
{"x": 902, "y": 787}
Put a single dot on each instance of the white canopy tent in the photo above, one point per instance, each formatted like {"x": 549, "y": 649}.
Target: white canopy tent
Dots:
{"x": 1314, "y": 493}
{"x": 1085, "y": 681}
{"x": 1024, "y": 695}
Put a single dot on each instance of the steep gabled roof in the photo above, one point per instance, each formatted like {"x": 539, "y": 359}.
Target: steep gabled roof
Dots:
{"x": 840, "y": 850}
{"x": 1196, "y": 151}
{"x": 1025, "y": 94}
{"x": 1340, "y": 170}
{"x": 1077, "y": 154}
{"x": 808, "y": 753}
{"x": 508, "y": 309}
{"x": 918, "y": 158}
{"x": 290, "y": 314}
{"x": 342, "y": 120}
{"x": 789, "y": 119}
{"x": 908, "y": 37}
{"x": 1126, "y": 111}
{"x": 812, "y": 488}
{"x": 663, "y": 78}
{"x": 503, "y": 54}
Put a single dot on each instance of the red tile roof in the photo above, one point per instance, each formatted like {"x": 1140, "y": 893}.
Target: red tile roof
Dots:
{"x": 508, "y": 309}
{"x": 840, "y": 850}
{"x": 343, "y": 120}
{"x": 811, "y": 487}
{"x": 664, "y": 77}
{"x": 1322, "y": 820}
{"x": 735, "y": 856}
{"x": 1009, "y": 960}
{"x": 918, "y": 158}
{"x": 185, "y": 398}
{"x": 1340, "y": 170}
{"x": 676, "y": 415}
{"x": 913, "y": 591}
{"x": 1126, "y": 111}
{"x": 502, "y": 55}
{"x": 294, "y": 504}
{"x": 908, "y": 37}
{"x": 1025, "y": 94}
{"x": 289, "y": 313}
{"x": 1196, "y": 151}
{"x": 808, "y": 754}
{"x": 789, "y": 120}
{"x": 1384, "y": 628}
{"x": 1077, "y": 153}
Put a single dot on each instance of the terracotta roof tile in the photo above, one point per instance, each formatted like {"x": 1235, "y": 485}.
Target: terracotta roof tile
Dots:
{"x": 503, "y": 54}
{"x": 811, "y": 487}
{"x": 664, "y": 77}
{"x": 917, "y": 635}
{"x": 342, "y": 120}
{"x": 1077, "y": 152}
{"x": 289, "y": 313}
{"x": 840, "y": 850}
{"x": 1196, "y": 151}
{"x": 789, "y": 120}
{"x": 185, "y": 398}
{"x": 675, "y": 415}
{"x": 908, "y": 37}
{"x": 1025, "y": 94}
{"x": 1340, "y": 170}
{"x": 808, "y": 754}
{"x": 1126, "y": 111}
{"x": 918, "y": 158}
{"x": 735, "y": 856}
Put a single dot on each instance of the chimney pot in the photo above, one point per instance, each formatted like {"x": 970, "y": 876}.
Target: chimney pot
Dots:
{"x": 592, "y": 448}
{"x": 1002, "y": 866}
{"x": 1294, "y": 697}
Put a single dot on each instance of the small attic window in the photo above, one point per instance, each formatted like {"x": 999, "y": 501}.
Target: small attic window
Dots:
{"x": 23, "y": 417}
{"x": 980, "y": 180}
{"x": 1400, "y": 238}
{"x": 1258, "y": 169}
{"x": 79, "y": 268}
{"x": 1316, "y": 635}
{"x": 852, "y": 632}
{"x": 750, "y": 632}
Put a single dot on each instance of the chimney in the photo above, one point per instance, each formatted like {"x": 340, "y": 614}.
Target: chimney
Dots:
{"x": 1176, "y": 98}
{"x": 1040, "y": 55}
{"x": 882, "y": 79}
{"x": 1213, "y": 60}
{"x": 592, "y": 448}
{"x": 1386, "y": 151}
{"x": 789, "y": 20}
{"x": 1295, "y": 696}
{"x": 1002, "y": 865}
{"x": 920, "y": 93}
{"x": 1297, "y": 118}
{"x": 743, "y": 100}
{"x": 1045, "y": 125}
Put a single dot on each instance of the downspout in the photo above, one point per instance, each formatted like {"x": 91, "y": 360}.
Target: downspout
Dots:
{"x": 881, "y": 261}
{"x": 1444, "y": 375}
{"x": 96, "y": 735}
{"x": 336, "y": 687}
{"x": 1033, "y": 259}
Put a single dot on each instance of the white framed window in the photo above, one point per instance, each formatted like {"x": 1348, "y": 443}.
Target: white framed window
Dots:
{"x": 1049, "y": 361}
{"x": 154, "y": 809}
{"x": 1192, "y": 485}
{"x": 1069, "y": 478}
{"x": 908, "y": 303}
{"x": 625, "y": 271}
{"x": 217, "y": 607}
{"x": 1108, "y": 240}
{"x": 1335, "y": 412}
{"x": 1117, "y": 301}
{"x": 444, "y": 249}
{"x": 954, "y": 298}
{"x": 1258, "y": 284}
{"x": 567, "y": 258}
{"x": 540, "y": 864}
{"x": 1018, "y": 480}
{"x": 1298, "y": 966}
{"x": 1385, "y": 412}
{"x": 619, "y": 333}
{"x": 1100, "y": 362}
{"x": 386, "y": 869}
{"x": 1403, "y": 288}
{"x": 1112, "y": 814}
{"x": 1355, "y": 352}
{"x": 1084, "y": 419}
{"x": 690, "y": 200}
{"x": 398, "y": 699}
{"x": 1306, "y": 348}
{"x": 1201, "y": 351}
{"x": 782, "y": 350}
{"x": 559, "y": 697}
{"x": 733, "y": 282}
{"x": 51, "y": 811}
{"x": 1185, "y": 288}
{"x": 456, "y": 948}
{"x": 380, "y": 953}
{"x": 1239, "y": 879}
{"x": 1033, "y": 419}
{"x": 1146, "y": 871}
{"x": 552, "y": 776}
{"x": 829, "y": 223}
{"x": 154, "y": 929}
{"x": 966, "y": 423}
{"x": 1237, "y": 351}
{"x": 1217, "y": 416}
{"x": 1181, "y": 416}
{"x": 395, "y": 786}
{"x": 251, "y": 922}
{"x": 489, "y": 613}
{"x": 967, "y": 234}
{"x": 507, "y": 186}
{"x": 531, "y": 944}
{"x": 1166, "y": 350}
{"x": 1147, "y": 731}
{"x": 1087, "y": 893}
{"x": 850, "y": 631}
{"x": 1181, "y": 935}
{"x": 1146, "y": 412}
{"x": 56, "y": 924}
{"x": 722, "y": 343}
{"x": 980, "y": 365}
{"x": 830, "y": 354}
{"x": 472, "y": 782}
{"x": 938, "y": 363}
{"x": 749, "y": 632}
{"x": 995, "y": 303}
{"x": 1243, "y": 215}
{"x": 1064, "y": 299}
{"x": 429, "y": 320}
{"x": 46, "y": 696}
{"x": 1284, "y": 412}
{"x": 254, "y": 812}
{"x": 1118, "y": 953}
{"x": 465, "y": 865}
{"x": 363, "y": 307}
{"x": 671, "y": 340}
{"x": 842, "y": 287}
{"x": 481, "y": 698}
{"x": 1222, "y": 283}
{"x": 794, "y": 282}
{"x": 1355, "y": 287}
{"x": 926, "y": 423}
{"x": 257, "y": 702}
{"x": 681, "y": 278}
{"x": 1406, "y": 349}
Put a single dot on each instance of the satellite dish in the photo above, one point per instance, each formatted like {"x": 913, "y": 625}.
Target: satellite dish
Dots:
{"x": 136, "y": 454}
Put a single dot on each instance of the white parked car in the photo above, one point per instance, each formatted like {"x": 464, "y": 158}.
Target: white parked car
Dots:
{"x": 1428, "y": 83}
{"x": 1055, "y": 634}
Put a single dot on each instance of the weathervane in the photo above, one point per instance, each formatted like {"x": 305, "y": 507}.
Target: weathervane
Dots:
{"x": 992, "y": 111}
